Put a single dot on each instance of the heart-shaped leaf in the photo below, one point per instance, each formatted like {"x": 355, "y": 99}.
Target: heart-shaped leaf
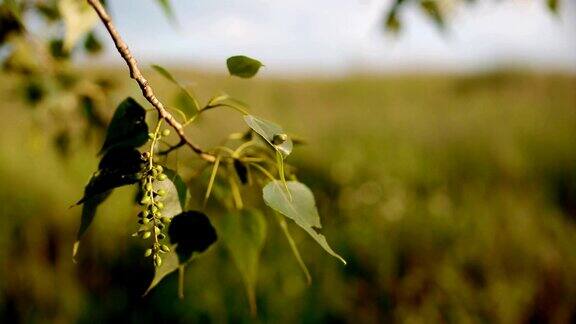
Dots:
{"x": 244, "y": 234}
{"x": 243, "y": 66}
{"x": 299, "y": 205}
{"x": 272, "y": 133}
{"x": 189, "y": 232}
{"x": 192, "y": 232}
{"x": 128, "y": 126}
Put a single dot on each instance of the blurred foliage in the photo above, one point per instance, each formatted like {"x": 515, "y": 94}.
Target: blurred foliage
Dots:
{"x": 453, "y": 202}
{"x": 438, "y": 11}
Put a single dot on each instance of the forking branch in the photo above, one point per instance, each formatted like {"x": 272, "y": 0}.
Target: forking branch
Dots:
{"x": 147, "y": 91}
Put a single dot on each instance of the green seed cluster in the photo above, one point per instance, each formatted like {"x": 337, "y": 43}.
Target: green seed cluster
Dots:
{"x": 152, "y": 223}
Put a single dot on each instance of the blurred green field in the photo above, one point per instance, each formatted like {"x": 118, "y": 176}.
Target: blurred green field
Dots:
{"x": 452, "y": 197}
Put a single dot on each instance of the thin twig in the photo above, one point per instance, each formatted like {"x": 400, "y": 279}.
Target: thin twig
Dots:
{"x": 135, "y": 74}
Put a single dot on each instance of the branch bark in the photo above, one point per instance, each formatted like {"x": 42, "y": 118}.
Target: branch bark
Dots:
{"x": 135, "y": 74}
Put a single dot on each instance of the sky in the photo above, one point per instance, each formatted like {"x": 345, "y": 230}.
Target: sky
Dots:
{"x": 343, "y": 36}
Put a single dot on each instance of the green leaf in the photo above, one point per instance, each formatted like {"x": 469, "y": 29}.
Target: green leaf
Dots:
{"x": 167, "y": 8}
{"x": 175, "y": 198}
{"x": 118, "y": 167}
{"x": 185, "y": 99}
{"x": 92, "y": 45}
{"x": 272, "y": 133}
{"x": 553, "y": 5}
{"x": 170, "y": 263}
{"x": 244, "y": 233}
{"x": 79, "y": 18}
{"x": 181, "y": 187}
{"x": 243, "y": 66}
{"x": 432, "y": 10}
{"x": 128, "y": 126}
{"x": 299, "y": 205}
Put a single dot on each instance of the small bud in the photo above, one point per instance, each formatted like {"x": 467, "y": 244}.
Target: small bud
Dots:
{"x": 161, "y": 177}
{"x": 161, "y": 192}
{"x": 151, "y": 136}
{"x": 148, "y": 186}
{"x": 159, "y": 168}
{"x": 165, "y": 248}
{"x": 157, "y": 230}
{"x": 160, "y": 205}
{"x": 145, "y": 200}
{"x": 166, "y": 132}
{"x": 158, "y": 261}
{"x": 148, "y": 253}
{"x": 146, "y": 235}
{"x": 279, "y": 139}
{"x": 154, "y": 210}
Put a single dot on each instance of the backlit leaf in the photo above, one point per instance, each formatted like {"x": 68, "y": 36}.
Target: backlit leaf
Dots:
{"x": 244, "y": 233}
{"x": 272, "y": 133}
{"x": 185, "y": 99}
{"x": 298, "y": 205}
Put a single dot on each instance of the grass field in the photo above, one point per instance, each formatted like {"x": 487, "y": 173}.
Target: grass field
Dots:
{"x": 452, "y": 197}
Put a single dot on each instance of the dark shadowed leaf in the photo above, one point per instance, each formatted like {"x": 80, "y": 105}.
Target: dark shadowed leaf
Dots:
{"x": 118, "y": 167}
{"x": 244, "y": 233}
{"x": 191, "y": 231}
{"x": 128, "y": 126}
{"x": 272, "y": 133}
{"x": 299, "y": 206}
{"x": 243, "y": 66}
{"x": 241, "y": 170}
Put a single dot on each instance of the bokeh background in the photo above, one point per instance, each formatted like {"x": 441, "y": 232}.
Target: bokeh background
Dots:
{"x": 443, "y": 164}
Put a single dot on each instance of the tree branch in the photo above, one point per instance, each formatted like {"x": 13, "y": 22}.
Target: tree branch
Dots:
{"x": 135, "y": 74}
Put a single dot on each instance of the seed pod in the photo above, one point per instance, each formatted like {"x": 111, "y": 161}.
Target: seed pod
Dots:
{"x": 166, "y": 132}
{"x": 148, "y": 186}
{"x": 143, "y": 213}
{"x": 144, "y": 221}
{"x": 158, "y": 214}
{"x": 159, "y": 168}
{"x": 151, "y": 136}
{"x": 158, "y": 261}
{"x": 145, "y": 200}
{"x": 165, "y": 248}
{"x": 161, "y": 177}
{"x": 146, "y": 235}
{"x": 160, "y": 205}
{"x": 157, "y": 230}
{"x": 161, "y": 192}
{"x": 154, "y": 209}
{"x": 148, "y": 253}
